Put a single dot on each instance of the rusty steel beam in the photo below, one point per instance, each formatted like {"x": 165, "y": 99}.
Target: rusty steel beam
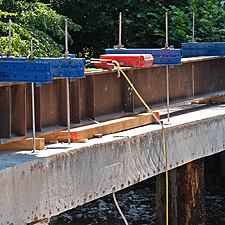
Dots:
{"x": 61, "y": 94}
{"x": 38, "y": 113}
{"x": 90, "y": 97}
{"x": 127, "y": 93}
{"x": 18, "y": 104}
{"x": 5, "y": 111}
{"x": 75, "y": 95}
{"x": 102, "y": 94}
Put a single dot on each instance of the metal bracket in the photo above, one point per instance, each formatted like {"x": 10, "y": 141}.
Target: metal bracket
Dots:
{"x": 65, "y": 67}
{"x": 24, "y": 71}
{"x": 203, "y": 49}
{"x": 161, "y": 56}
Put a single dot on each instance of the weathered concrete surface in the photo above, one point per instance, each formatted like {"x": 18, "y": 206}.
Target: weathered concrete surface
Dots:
{"x": 43, "y": 184}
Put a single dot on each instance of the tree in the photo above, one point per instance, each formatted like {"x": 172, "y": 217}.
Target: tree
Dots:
{"x": 33, "y": 21}
{"x": 143, "y": 22}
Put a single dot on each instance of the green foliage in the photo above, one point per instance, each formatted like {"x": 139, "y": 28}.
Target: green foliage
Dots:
{"x": 143, "y": 23}
{"x": 33, "y": 21}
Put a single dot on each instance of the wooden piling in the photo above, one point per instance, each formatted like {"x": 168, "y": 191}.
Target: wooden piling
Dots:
{"x": 186, "y": 195}
{"x": 222, "y": 167}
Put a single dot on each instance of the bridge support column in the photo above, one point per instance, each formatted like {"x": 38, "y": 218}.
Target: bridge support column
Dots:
{"x": 186, "y": 195}
{"x": 222, "y": 167}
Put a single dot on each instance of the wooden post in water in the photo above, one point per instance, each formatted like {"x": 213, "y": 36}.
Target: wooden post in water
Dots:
{"x": 186, "y": 195}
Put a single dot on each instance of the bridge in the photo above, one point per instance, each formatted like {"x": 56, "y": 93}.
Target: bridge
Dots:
{"x": 107, "y": 158}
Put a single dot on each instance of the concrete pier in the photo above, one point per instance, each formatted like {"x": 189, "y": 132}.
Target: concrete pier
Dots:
{"x": 37, "y": 186}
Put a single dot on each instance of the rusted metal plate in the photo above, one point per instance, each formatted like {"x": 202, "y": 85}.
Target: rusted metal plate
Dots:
{"x": 5, "y": 112}
{"x": 151, "y": 85}
{"x": 108, "y": 97}
{"x": 90, "y": 97}
{"x": 127, "y": 92}
{"x": 28, "y": 107}
{"x": 50, "y": 104}
{"x": 38, "y": 111}
{"x": 18, "y": 96}
{"x": 75, "y": 101}
{"x": 61, "y": 102}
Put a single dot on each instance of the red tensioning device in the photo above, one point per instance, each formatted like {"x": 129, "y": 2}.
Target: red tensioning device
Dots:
{"x": 104, "y": 64}
{"x": 130, "y": 60}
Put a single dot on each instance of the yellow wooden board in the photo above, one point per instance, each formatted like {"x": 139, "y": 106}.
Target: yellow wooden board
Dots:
{"x": 103, "y": 128}
{"x": 26, "y": 144}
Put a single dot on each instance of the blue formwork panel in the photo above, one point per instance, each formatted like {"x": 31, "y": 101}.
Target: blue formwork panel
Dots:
{"x": 203, "y": 49}
{"x": 24, "y": 71}
{"x": 65, "y": 67}
{"x": 161, "y": 56}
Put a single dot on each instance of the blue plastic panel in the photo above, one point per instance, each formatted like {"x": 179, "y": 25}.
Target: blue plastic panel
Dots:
{"x": 63, "y": 67}
{"x": 24, "y": 71}
{"x": 203, "y": 49}
{"x": 161, "y": 56}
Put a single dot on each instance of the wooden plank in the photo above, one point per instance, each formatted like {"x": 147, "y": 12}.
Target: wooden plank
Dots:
{"x": 103, "y": 128}
{"x": 218, "y": 100}
{"x": 26, "y": 144}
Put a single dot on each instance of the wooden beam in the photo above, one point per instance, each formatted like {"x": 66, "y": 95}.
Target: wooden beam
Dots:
{"x": 218, "y": 100}
{"x": 103, "y": 128}
{"x": 26, "y": 144}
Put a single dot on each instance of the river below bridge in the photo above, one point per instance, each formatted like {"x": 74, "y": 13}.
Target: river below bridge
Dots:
{"x": 138, "y": 203}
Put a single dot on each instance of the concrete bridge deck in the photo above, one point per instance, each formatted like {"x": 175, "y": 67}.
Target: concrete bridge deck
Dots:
{"x": 34, "y": 186}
